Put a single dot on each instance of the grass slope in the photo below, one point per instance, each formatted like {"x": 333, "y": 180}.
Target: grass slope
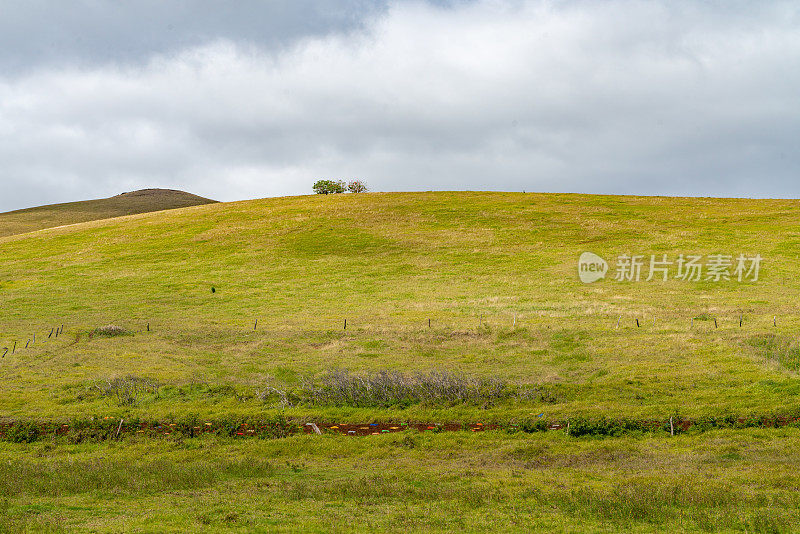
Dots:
{"x": 496, "y": 275}
{"x": 146, "y": 200}
{"x": 388, "y": 263}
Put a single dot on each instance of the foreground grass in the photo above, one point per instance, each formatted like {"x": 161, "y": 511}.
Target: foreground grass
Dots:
{"x": 721, "y": 480}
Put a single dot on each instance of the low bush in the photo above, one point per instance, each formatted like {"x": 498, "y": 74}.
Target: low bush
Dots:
{"x": 22, "y": 432}
{"x": 392, "y": 389}
{"x": 127, "y": 390}
{"x": 110, "y": 331}
{"x": 609, "y": 427}
{"x": 386, "y": 389}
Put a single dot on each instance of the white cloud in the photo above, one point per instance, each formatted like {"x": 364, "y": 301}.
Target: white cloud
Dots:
{"x": 621, "y": 96}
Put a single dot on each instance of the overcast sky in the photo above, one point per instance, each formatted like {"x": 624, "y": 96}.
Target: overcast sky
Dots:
{"x": 248, "y": 99}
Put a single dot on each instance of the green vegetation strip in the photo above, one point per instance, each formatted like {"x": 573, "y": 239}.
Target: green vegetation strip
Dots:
{"x": 107, "y": 428}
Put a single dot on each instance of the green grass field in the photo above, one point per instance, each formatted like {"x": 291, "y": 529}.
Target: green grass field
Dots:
{"x": 726, "y": 480}
{"x": 494, "y": 273}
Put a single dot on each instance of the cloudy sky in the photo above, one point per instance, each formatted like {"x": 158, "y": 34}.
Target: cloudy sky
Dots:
{"x": 248, "y": 99}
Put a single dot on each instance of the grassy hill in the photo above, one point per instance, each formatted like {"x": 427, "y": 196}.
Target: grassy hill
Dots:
{"x": 496, "y": 274}
{"x": 146, "y": 200}
{"x": 469, "y": 262}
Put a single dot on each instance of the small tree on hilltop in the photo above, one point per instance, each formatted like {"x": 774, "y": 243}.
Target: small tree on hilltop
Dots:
{"x": 357, "y": 186}
{"x": 328, "y": 187}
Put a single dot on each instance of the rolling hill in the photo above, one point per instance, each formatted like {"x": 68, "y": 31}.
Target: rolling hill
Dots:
{"x": 495, "y": 273}
{"x": 145, "y": 353}
{"x": 143, "y": 201}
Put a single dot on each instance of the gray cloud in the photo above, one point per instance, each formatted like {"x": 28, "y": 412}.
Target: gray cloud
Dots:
{"x": 34, "y": 33}
{"x": 616, "y": 97}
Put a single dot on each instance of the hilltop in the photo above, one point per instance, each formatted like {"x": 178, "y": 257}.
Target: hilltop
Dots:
{"x": 130, "y": 203}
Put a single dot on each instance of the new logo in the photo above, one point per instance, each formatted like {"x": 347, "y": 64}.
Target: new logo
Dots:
{"x": 591, "y": 267}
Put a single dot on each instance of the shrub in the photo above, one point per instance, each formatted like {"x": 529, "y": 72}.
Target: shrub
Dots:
{"x": 25, "y": 432}
{"x": 390, "y": 388}
{"x": 284, "y": 399}
{"x": 127, "y": 390}
{"x": 357, "y": 186}
{"x": 328, "y": 187}
{"x": 91, "y": 430}
{"x": 110, "y": 331}
{"x": 274, "y": 427}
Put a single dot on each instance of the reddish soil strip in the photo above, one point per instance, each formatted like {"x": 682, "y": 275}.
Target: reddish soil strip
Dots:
{"x": 387, "y": 428}
{"x": 369, "y": 429}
